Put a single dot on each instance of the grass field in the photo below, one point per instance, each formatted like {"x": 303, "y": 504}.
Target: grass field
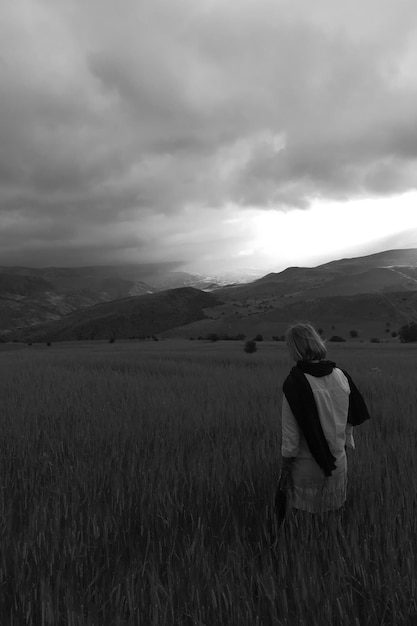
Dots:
{"x": 137, "y": 481}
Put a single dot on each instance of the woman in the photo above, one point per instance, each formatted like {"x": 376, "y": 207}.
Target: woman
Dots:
{"x": 321, "y": 405}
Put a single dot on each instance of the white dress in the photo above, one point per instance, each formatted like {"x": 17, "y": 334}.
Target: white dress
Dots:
{"x": 312, "y": 490}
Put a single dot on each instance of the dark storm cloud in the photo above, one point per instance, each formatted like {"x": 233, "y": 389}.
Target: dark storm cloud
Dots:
{"x": 112, "y": 113}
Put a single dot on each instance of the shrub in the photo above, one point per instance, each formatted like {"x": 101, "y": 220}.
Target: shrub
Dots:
{"x": 375, "y": 340}
{"x": 408, "y": 333}
{"x": 250, "y": 346}
{"x": 353, "y": 333}
{"x": 112, "y": 339}
{"x": 48, "y": 343}
{"x": 258, "y": 338}
{"x": 337, "y": 338}
{"x": 213, "y": 337}
{"x": 394, "y": 334}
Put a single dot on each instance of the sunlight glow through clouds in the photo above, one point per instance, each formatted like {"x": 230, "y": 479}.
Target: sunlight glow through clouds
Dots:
{"x": 328, "y": 231}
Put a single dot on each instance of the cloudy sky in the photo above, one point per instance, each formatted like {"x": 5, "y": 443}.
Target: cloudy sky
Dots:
{"x": 208, "y": 133}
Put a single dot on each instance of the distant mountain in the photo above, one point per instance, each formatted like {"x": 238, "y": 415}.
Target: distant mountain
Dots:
{"x": 388, "y": 258}
{"x": 104, "y": 281}
{"x": 393, "y": 270}
{"x": 12, "y": 286}
{"x": 34, "y": 295}
{"x": 137, "y": 316}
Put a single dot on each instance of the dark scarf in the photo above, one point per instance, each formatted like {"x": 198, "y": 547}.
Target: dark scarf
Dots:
{"x": 300, "y": 397}
{"x": 358, "y": 411}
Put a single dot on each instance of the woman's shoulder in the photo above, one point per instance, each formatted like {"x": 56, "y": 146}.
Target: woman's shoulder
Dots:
{"x": 341, "y": 377}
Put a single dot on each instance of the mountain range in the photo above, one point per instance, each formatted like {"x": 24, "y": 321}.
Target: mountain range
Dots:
{"x": 373, "y": 295}
{"x": 30, "y": 296}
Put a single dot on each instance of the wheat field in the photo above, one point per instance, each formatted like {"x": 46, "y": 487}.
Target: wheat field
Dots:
{"x": 137, "y": 482}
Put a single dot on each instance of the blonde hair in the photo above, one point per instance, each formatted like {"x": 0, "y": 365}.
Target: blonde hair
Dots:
{"x": 304, "y": 343}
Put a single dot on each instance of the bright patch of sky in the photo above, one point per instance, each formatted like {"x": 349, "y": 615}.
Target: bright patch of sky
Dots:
{"x": 329, "y": 231}
{"x": 273, "y": 240}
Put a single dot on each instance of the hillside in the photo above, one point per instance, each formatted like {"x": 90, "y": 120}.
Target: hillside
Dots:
{"x": 390, "y": 271}
{"x": 371, "y": 315}
{"x": 387, "y": 258}
{"x": 374, "y": 295}
{"x": 31, "y": 296}
{"x": 137, "y": 316}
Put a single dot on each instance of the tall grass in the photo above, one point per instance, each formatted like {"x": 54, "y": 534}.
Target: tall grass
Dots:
{"x": 137, "y": 484}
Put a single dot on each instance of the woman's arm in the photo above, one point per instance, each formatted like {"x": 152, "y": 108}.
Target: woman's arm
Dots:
{"x": 349, "y": 441}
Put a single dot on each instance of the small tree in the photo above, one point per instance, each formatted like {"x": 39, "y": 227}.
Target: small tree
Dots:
{"x": 408, "y": 333}
{"x": 250, "y": 346}
{"x": 353, "y": 333}
{"x": 213, "y": 337}
{"x": 258, "y": 338}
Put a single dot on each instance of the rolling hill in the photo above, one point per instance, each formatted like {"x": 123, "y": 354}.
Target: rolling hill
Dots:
{"x": 393, "y": 270}
{"x": 31, "y": 296}
{"x": 137, "y": 316}
{"x": 375, "y": 315}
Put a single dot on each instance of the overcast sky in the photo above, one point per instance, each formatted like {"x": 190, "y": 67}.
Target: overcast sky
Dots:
{"x": 208, "y": 133}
